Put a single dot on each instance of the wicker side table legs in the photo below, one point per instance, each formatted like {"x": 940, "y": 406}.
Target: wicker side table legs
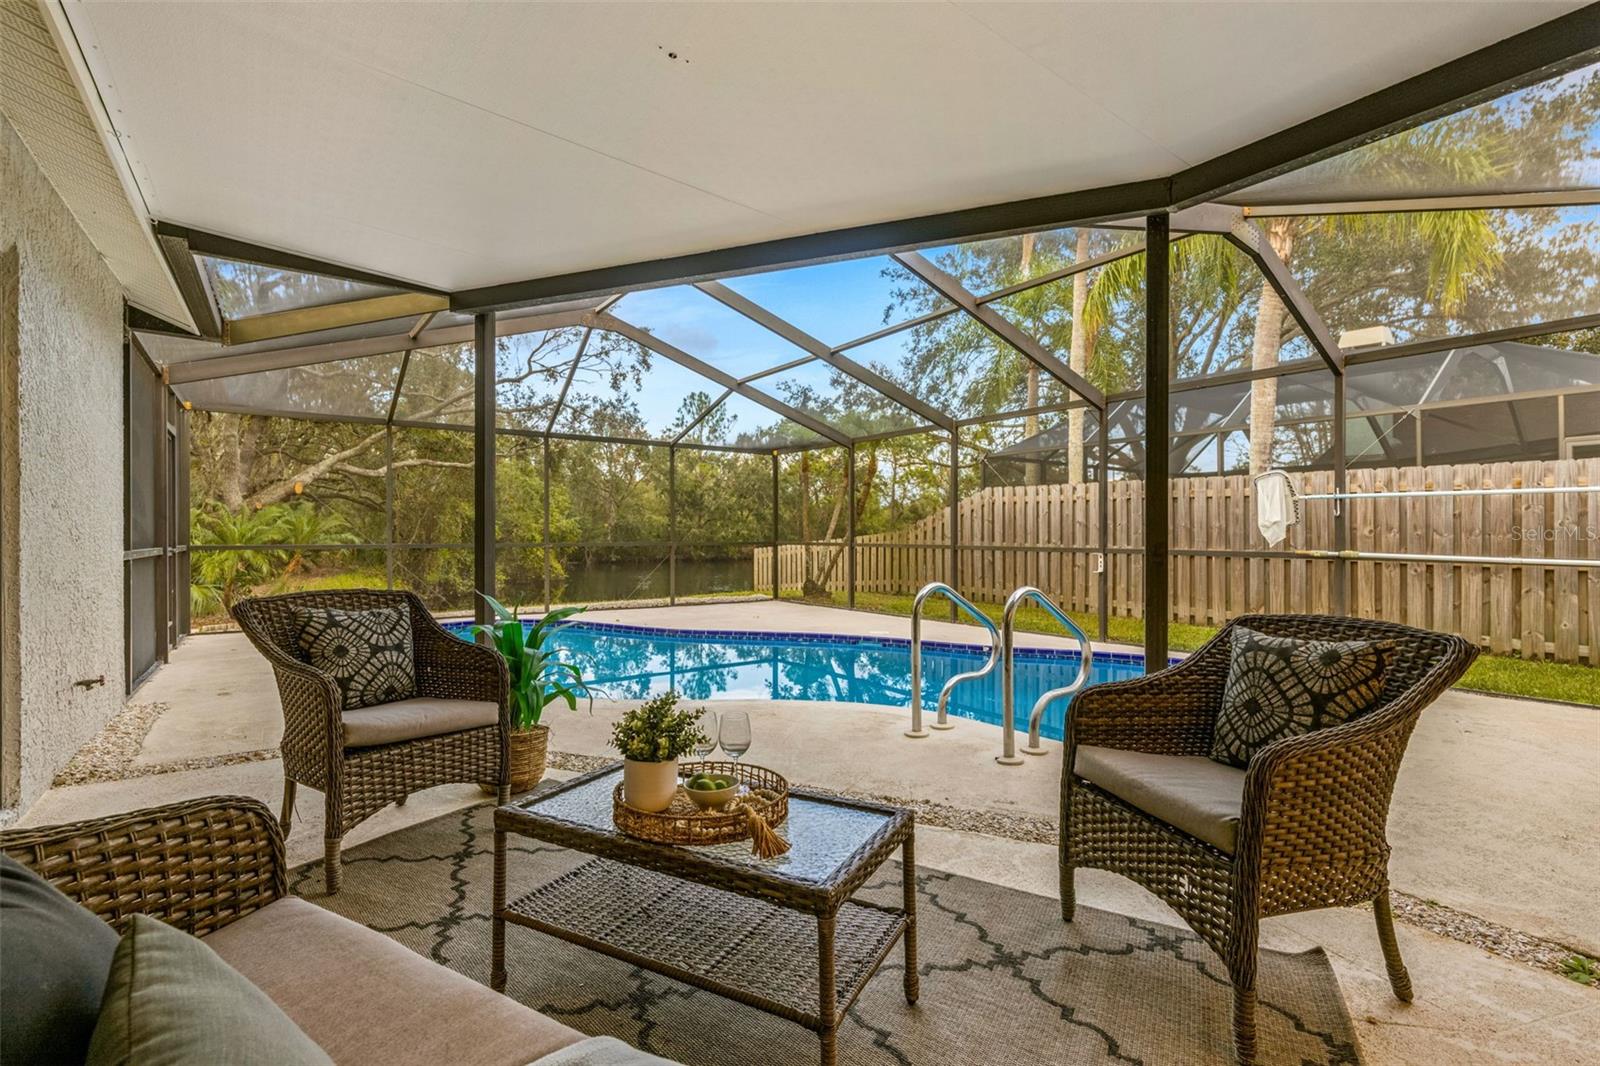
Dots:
{"x": 497, "y": 954}
{"x": 827, "y": 999}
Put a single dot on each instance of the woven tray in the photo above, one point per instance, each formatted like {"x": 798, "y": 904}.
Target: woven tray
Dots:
{"x": 685, "y": 823}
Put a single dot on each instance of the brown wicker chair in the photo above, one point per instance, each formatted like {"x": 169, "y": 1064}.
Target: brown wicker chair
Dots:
{"x": 357, "y": 782}
{"x": 197, "y": 865}
{"x": 1311, "y": 828}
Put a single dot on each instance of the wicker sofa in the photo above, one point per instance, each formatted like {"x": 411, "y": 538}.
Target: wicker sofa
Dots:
{"x": 1303, "y": 827}
{"x": 400, "y": 748}
{"x": 215, "y": 868}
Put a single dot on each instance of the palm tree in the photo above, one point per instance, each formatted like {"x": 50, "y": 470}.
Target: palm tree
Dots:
{"x": 303, "y": 523}
{"x": 1460, "y": 244}
{"x": 219, "y": 575}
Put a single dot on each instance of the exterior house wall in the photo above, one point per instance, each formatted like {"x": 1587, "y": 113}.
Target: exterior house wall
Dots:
{"x": 63, "y": 504}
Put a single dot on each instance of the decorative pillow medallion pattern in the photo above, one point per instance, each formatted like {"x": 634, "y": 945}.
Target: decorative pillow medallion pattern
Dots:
{"x": 367, "y": 652}
{"x": 1281, "y": 687}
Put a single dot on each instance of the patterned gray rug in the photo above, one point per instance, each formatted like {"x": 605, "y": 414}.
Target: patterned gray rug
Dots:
{"x": 1004, "y": 980}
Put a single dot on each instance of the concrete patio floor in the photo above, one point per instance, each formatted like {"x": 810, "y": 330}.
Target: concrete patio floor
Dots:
{"x": 1487, "y": 819}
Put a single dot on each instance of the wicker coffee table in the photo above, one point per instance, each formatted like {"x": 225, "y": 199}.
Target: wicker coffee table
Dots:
{"x": 782, "y": 935}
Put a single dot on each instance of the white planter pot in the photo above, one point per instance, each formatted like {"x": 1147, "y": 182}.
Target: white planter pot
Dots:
{"x": 649, "y": 786}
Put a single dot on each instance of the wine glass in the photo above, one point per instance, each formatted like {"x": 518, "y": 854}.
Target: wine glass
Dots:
{"x": 735, "y": 733}
{"x": 708, "y": 732}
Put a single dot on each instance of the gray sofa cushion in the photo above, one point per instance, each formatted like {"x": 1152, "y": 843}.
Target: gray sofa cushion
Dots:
{"x": 1189, "y": 792}
{"x": 369, "y": 653}
{"x": 170, "y": 1001}
{"x": 1282, "y": 687}
{"x": 389, "y": 723}
{"x": 365, "y": 999}
{"x": 57, "y": 955}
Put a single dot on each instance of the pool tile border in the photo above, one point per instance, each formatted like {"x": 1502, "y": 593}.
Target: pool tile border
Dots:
{"x": 768, "y": 636}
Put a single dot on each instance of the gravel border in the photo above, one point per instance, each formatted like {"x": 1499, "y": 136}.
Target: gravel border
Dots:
{"x": 109, "y": 754}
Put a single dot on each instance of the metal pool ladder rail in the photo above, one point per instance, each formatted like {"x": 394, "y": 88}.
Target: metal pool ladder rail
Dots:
{"x": 1008, "y": 626}
{"x": 942, "y": 720}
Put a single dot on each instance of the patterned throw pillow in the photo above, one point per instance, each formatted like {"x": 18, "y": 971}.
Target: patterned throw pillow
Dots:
{"x": 367, "y": 652}
{"x": 1281, "y": 687}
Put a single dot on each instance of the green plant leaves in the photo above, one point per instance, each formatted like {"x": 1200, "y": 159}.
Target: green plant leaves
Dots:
{"x": 537, "y": 675}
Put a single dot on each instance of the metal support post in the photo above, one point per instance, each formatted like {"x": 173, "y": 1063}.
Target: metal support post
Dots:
{"x": 483, "y": 443}
{"x": 1157, "y": 440}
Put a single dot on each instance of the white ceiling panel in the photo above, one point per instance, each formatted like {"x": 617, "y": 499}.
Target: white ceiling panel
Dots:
{"x": 462, "y": 145}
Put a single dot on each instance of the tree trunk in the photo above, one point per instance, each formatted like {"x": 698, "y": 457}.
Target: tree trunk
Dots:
{"x": 1078, "y": 359}
{"x": 1264, "y": 353}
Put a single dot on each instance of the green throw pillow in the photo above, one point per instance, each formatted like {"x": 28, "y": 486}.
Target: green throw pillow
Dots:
{"x": 172, "y": 1001}
{"x": 368, "y": 652}
{"x": 1281, "y": 687}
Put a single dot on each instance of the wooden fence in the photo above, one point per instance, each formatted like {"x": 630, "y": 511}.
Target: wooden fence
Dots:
{"x": 1046, "y": 535}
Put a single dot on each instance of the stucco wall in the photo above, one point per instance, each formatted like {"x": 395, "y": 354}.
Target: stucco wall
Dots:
{"x": 68, "y": 505}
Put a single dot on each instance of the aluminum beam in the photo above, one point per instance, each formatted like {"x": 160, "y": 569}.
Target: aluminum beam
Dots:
{"x": 716, "y": 374}
{"x": 300, "y": 320}
{"x": 999, "y": 325}
{"x": 805, "y": 342}
{"x": 1065, "y": 272}
{"x": 1157, "y": 444}
{"x": 201, "y": 242}
{"x": 191, "y": 286}
{"x": 1488, "y": 201}
{"x": 223, "y": 366}
{"x": 1247, "y": 236}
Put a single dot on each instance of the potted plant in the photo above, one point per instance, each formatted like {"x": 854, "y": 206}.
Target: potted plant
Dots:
{"x": 651, "y": 738}
{"x": 538, "y": 679}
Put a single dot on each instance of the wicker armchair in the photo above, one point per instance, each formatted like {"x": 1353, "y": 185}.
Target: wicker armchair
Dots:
{"x": 357, "y": 782}
{"x": 196, "y": 865}
{"x": 1312, "y": 816}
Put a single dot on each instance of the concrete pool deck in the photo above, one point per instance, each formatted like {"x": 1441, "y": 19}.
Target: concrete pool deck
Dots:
{"x": 1491, "y": 817}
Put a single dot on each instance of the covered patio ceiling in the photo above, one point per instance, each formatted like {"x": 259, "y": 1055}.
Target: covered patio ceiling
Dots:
{"x": 510, "y": 154}
{"x": 748, "y": 226}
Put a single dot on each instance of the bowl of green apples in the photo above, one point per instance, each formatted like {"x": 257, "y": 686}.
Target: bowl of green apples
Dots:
{"x": 711, "y": 790}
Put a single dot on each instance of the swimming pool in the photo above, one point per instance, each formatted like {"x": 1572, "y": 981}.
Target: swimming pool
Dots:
{"x": 631, "y": 662}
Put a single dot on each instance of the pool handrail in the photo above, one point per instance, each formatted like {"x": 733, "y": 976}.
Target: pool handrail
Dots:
{"x": 942, "y": 719}
{"x": 1008, "y": 637}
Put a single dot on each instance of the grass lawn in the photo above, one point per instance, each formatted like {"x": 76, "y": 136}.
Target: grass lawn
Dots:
{"x": 1499, "y": 674}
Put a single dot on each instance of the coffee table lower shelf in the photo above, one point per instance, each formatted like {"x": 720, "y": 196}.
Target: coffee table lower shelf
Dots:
{"x": 749, "y": 950}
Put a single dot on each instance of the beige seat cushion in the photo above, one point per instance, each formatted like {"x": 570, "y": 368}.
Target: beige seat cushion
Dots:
{"x": 388, "y": 723}
{"x": 1190, "y": 792}
{"x": 366, "y": 999}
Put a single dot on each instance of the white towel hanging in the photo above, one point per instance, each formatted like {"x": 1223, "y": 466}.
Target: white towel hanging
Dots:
{"x": 1277, "y": 506}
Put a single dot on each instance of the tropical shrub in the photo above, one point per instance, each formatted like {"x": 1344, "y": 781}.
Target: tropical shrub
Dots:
{"x": 538, "y": 678}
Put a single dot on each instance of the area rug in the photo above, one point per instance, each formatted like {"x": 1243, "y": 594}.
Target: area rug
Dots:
{"x": 1004, "y": 980}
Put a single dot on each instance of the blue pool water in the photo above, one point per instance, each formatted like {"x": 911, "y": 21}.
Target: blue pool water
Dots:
{"x": 631, "y": 662}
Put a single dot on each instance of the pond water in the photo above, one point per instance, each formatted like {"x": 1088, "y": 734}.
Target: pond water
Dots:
{"x": 646, "y": 579}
